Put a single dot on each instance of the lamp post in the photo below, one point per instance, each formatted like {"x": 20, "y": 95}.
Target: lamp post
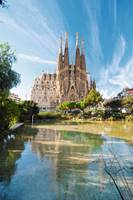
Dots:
{"x": 32, "y": 120}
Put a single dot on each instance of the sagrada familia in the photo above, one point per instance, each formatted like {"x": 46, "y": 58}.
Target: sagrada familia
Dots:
{"x": 71, "y": 82}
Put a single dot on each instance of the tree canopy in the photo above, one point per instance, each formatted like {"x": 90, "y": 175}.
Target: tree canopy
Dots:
{"x": 93, "y": 98}
{"x": 67, "y": 105}
{"x": 27, "y": 109}
{"x": 3, "y": 3}
{"x": 8, "y": 77}
{"x": 9, "y": 112}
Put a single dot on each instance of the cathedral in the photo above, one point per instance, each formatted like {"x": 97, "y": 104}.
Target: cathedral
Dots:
{"x": 71, "y": 82}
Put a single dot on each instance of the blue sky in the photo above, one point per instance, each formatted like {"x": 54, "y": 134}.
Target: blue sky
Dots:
{"x": 33, "y": 29}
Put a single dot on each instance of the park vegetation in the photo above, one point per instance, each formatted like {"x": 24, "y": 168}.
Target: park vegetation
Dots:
{"x": 91, "y": 107}
{"x": 94, "y": 107}
{"x": 10, "y": 111}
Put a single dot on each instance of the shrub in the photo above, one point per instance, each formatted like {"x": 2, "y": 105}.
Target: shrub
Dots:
{"x": 49, "y": 115}
{"x": 129, "y": 118}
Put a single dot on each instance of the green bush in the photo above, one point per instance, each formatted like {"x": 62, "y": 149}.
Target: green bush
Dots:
{"x": 49, "y": 115}
{"x": 27, "y": 109}
{"x": 113, "y": 115}
{"x": 129, "y": 118}
{"x": 9, "y": 113}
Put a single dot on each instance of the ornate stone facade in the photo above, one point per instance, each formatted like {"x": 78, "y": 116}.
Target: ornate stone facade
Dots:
{"x": 70, "y": 83}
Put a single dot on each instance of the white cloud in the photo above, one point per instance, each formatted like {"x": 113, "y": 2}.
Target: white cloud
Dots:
{"x": 114, "y": 77}
{"x": 33, "y": 28}
{"x": 96, "y": 49}
{"x": 36, "y": 59}
{"x": 119, "y": 52}
{"x": 124, "y": 77}
{"x": 40, "y": 29}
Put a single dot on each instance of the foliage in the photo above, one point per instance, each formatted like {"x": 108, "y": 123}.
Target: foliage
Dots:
{"x": 113, "y": 115}
{"x": 127, "y": 102}
{"x": 27, "y": 109}
{"x": 93, "y": 98}
{"x": 9, "y": 112}
{"x": 67, "y": 105}
{"x": 129, "y": 118}
{"x": 49, "y": 115}
{"x": 113, "y": 103}
{"x": 81, "y": 105}
{"x": 8, "y": 77}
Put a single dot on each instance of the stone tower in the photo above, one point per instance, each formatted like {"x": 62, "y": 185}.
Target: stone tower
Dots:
{"x": 72, "y": 78}
{"x": 70, "y": 83}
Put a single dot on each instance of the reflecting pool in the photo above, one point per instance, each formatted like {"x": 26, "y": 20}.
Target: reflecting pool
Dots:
{"x": 46, "y": 164}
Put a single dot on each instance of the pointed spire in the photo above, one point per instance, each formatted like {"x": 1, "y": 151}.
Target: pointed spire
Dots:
{"x": 77, "y": 39}
{"x": 77, "y": 58}
{"x": 82, "y": 46}
{"x": 66, "y": 37}
{"x": 66, "y": 53}
{"x": 60, "y": 49}
{"x": 83, "y": 62}
{"x": 60, "y": 55}
{"x": 94, "y": 84}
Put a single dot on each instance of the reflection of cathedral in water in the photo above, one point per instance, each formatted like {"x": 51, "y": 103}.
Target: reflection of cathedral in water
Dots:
{"x": 61, "y": 151}
{"x": 48, "y": 135}
{"x": 53, "y": 141}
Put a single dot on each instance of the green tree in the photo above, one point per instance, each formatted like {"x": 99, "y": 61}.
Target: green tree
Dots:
{"x": 127, "y": 102}
{"x": 63, "y": 106}
{"x": 67, "y": 105}
{"x": 93, "y": 98}
{"x": 27, "y": 109}
{"x": 9, "y": 113}
{"x": 81, "y": 105}
{"x": 8, "y": 77}
{"x": 71, "y": 105}
{"x": 114, "y": 104}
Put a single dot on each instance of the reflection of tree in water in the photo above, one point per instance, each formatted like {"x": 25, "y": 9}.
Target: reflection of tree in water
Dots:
{"x": 69, "y": 160}
{"x": 11, "y": 151}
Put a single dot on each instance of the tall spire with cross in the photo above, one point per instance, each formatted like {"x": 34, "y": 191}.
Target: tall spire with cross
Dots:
{"x": 66, "y": 38}
{"x": 77, "y": 59}
{"x": 60, "y": 61}
{"x": 77, "y": 39}
{"x": 83, "y": 62}
{"x": 66, "y": 52}
{"x": 60, "y": 48}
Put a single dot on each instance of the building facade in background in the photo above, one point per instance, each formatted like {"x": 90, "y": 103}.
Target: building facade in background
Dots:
{"x": 71, "y": 82}
{"x": 125, "y": 92}
{"x": 14, "y": 97}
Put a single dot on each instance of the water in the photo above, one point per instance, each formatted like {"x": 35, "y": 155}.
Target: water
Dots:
{"x": 43, "y": 164}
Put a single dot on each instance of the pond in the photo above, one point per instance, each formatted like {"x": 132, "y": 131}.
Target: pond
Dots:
{"x": 49, "y": 164}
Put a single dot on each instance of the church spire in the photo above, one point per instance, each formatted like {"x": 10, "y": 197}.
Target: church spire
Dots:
{"x": 66, "y": 37}
{"x": 77, "y": 39}
{"x": 66, "y": 53}
{"x": 60, "y": 48}
{"x": 83, "y": 62}
{"x": 82, "y": 46}
{"x": 77, "y": 59}
{"x": 60, "y": 62}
